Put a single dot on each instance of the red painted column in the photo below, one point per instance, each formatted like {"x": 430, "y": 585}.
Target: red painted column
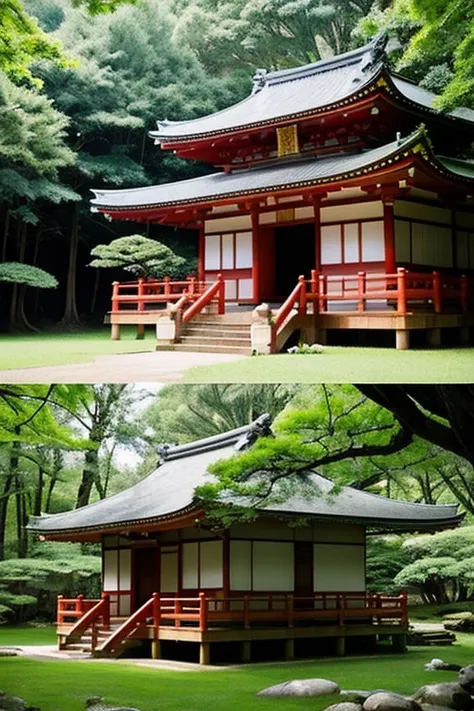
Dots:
{"x": 255, "y": 254}
{"x": 201, "y": 252}
{"x": 389, "y": 238}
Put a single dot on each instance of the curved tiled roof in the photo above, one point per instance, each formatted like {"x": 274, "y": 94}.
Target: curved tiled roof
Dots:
{"x": 302, "y": 91}
{"x": 168, "y": 493}
{"x": 285, "y": 174}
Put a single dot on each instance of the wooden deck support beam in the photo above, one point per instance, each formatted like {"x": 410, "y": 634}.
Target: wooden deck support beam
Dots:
{"x": 402, "y": 339}
{"x": 289, "y": 649}
{"x": 399, "y": 642}
{"x": 155, "y": 649}
{"x": 204, "y": 653}
{"x": 246, "y": 652}
{"x": 433, "y": 336}
{"x": 340, "y": 646}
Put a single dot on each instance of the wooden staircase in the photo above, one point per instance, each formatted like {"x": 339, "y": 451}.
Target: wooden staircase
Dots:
{"x": 215, "y": 333}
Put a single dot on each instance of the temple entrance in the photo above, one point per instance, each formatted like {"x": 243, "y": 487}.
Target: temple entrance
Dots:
{"x": 303, "y": 569}
{"x": 294, "y": 255}
{"x": 146, "y": 579}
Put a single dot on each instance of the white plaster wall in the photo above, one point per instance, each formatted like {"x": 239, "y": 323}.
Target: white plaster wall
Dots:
{"x": 245, "y": 288}
{"x": 240, "y": 563}
{"x": 273, "y": 566}
{"x": 431, "y": 245}
{"x": 303, "y": 213}
{"x": 169, "y": 569}
{"x": 125, "y": 569}
{"x": 418, "y": 211}
{"x": 356, "y": 211}
{"x": 338, "y": 533}
{"x": 271, "y": 530}
{"x": 190, "y": 565}
{"x": 331, "y": 252}
{"x": 211, "y": 564}
{"x": 402, "y": 241}
{"x": 192, "y": 533}
{"x": 339, "y": 568}
{"x": 228, "y": 224}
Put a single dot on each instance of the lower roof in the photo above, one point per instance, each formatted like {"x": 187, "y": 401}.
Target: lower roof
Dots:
{"x": 168, "y": 494}
{"x": 277, "y": 177}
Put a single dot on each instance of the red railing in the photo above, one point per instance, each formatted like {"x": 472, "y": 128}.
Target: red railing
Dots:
{"x": 145, "y": 293}
{"x": 87, "y": 614}
{"x": 432, "y": 291}
{"x": 151, "y": 608}
{"x": 215, "y": 291}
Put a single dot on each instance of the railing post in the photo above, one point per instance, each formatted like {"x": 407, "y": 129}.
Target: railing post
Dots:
{"x": 80, "y": 604}
{"x": 115, "y": 294}
{"x": 404, "y": 606}
{"x": 156, "y": 612}
{"x": 315, "y": 291}
{"x": 246, "y": 612}
{"x": 94, "y": 636}
{"x": 140, "y": 306}
{"x": 289, "y": 610}
{"x": 464, "y": 293}
{"x": 401, "y": 290}
{"x": 302, "y": 296}
{"x": 167, "y": 287}
{"x": 106, "y": 611}
{"x": 192, "y": 285}
{"x": 59, "y": 617}
{"x": 177, "y": 611}
{"x": 221, "y": 294}
{"x": 323, "y": 290}
{"x": 361, "y": 288}
{"x": 437, "y": 293}
{"x": 203, "y": 612}
{"x": 340, "y": 610}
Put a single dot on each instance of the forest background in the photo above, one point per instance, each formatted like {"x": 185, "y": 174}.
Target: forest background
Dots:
{"x": 64, "y": 446}
{"x": 82, "y": 82}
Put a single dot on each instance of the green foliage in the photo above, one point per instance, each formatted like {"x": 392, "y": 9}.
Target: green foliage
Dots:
{"x": 27, "y": 275}
{"x": 139, "y": 255}
{"x": 442, "y": 565}
{"x": 385, "y": 558}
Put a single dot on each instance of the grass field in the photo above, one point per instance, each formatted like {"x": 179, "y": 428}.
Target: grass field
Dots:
{"x": 27, "y": 634}
{"x": 64, "y": 686}
{"x": 339, "y": 364}
{"x": 30, "y": 350}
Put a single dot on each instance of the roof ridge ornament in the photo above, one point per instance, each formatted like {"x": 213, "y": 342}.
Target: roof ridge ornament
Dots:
{"x": 261, "y": 427}
{"x": 375, "y": 54}
{"x": 259, "y": 80}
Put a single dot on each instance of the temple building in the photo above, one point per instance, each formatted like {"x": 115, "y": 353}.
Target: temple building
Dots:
{"x": 327, "y": 172}
{"x": 294, "y": 576}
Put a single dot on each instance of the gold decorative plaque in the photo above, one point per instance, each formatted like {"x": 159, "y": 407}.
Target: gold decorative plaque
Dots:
{"x": 287, "y": 137}
{"x": 287, "y": 215}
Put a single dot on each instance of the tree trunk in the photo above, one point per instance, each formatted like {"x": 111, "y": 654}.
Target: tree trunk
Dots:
{"x": 89, "y": 476}
{"x": 95, "y": 291}
{"x": 56, "y": 470}
{"x": 6, "y": 230}
{"x": 6, "y": 493}
{"x": 71, "y": 317}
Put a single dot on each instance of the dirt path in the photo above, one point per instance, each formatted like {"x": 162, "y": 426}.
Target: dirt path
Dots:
{"x": 161, "y": 367}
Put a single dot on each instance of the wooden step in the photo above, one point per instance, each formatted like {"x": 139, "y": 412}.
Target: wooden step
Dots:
{"x": 206, "y": 340}
{"x": 209, "y": 348}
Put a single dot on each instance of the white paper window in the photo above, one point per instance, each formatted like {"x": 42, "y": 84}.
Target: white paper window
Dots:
{"x": 243, "y": 251}
{"x": 402, "y": 241}
{"x": 331, "y": 244}
{"x": 228, "y": 251}
{"x": 273, "y": 566}
{"x": 245, "y": 288}
{"x": 339, "y": 568}
{"x": 190, "y": 565}
{"x": 211, "y": 564}
{"x": 125, "y": 570}
{"x": 230, "y": 289}
{"x": 373, "y": 242}
{"x": 351, "y": 242}
{"x": 240, "y": 565}
{"x": 212, "y": 256}
{"x": 110, "y": 574}
{"x": 462, "y": 249}
{"x": 124, "y": 605}
{"x": 169, "y": 570}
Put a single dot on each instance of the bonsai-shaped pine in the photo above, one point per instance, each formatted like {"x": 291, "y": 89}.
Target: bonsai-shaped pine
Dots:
{"x": 141, "y": 256}
{"x": 27, "y": 275}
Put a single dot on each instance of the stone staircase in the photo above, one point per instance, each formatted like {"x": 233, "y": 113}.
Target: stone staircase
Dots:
{"x": 215, "y": 333}
{"x": 84, "y": 643}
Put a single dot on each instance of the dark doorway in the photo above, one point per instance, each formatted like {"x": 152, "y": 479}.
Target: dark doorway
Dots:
{"x": 146, "y": 576}
{"x": 294, "y": 255}
{"x": 303, "y": 569}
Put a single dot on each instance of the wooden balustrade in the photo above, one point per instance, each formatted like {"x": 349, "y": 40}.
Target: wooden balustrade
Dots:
{"x": 148, "y": 293}
{"x": 215, "y": 291}
{"x": 400, "y": 291}
{"x": 83, "y": 613}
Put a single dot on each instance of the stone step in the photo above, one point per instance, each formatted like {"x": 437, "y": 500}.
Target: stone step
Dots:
{"x": 211, "y": 326}
{"x": 237, "y": 317}
{"x": 209, "y": 348}
{"x": 206, "y": 340}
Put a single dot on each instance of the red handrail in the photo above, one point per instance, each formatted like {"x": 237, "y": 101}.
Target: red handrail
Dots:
{"x": 101, "y": 609}
{"x": 130, "y": 625}
{"x": 217, "y": 289}
{"x": 287, "y": 307}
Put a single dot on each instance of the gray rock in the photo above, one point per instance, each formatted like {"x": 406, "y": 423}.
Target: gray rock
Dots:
{"x": 345, "y": 706}
{"x": 11, "y": 703}
{"x": 450, "y": 695}
{"x": 96, "y": 703}
{"x": 466, "y": 679}
{"x": 439, "y": 665}
{"x": 5, "y": 652}
{"x": 360, "y": 695}
{"x": 431, "y": 707}
{"x": 302, "y": 687}
{"x": 387, "y": 701}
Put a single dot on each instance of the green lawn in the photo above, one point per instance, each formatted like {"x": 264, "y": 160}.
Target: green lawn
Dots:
{"x": 26, "y": 351}
{"x": 27, "y": 634}
{"x": 64, "y": 686}
{"x": 339, "y": 364}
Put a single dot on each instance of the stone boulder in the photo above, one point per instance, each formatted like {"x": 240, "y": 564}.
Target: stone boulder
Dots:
{"x": 7, "y": 652}
{"x": 459, "y": 622}
{"x": 302, "y": 687}
{"x": 345, "y": 706}
{"x": 438, "y": 665}
{"x": 387, "y": 701}
{"x": 96, "y": 703}
{"x": 359, "y": 695}
{"x": 466, "y": 679}
{"x": 11, "y": 703}
{"x": 450, "y": 695}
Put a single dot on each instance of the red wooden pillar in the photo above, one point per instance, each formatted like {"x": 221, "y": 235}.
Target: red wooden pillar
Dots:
{"x": 389, "y": 237}
{"x": 317, "y": 231}
{"x": 255, "y": 254}
{"x": 201, "y": 254}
